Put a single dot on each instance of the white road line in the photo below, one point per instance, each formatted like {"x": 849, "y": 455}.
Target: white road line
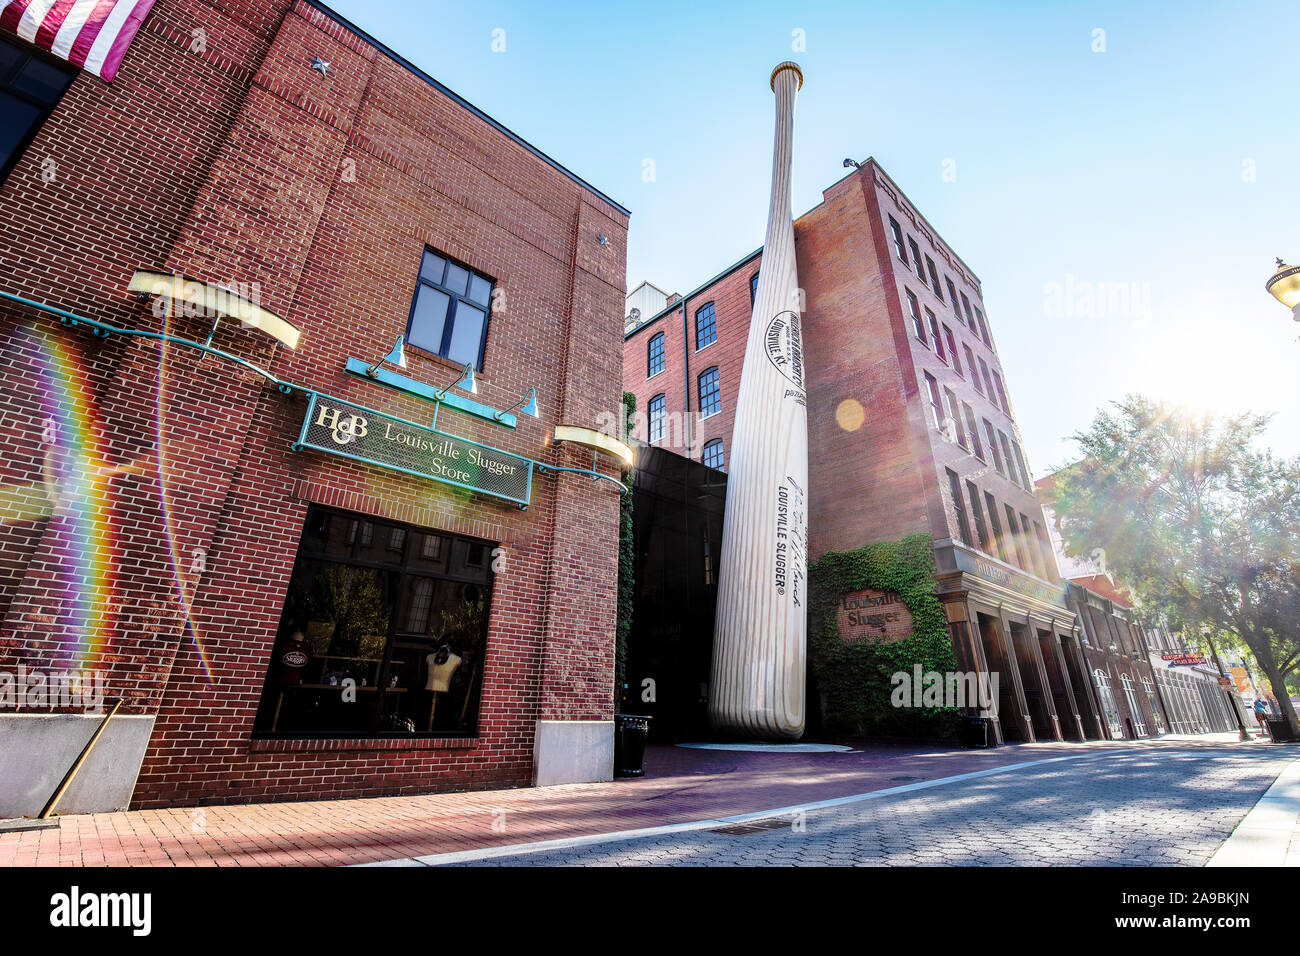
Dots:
{"x": 518, "y": 849}
{"x": 1265, "y": 835}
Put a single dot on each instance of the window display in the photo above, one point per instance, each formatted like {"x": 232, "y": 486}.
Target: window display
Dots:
{"x": 383, "y": 633}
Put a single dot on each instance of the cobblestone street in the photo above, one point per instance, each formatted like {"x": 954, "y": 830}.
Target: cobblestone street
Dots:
{"x": 1154, "y": 807}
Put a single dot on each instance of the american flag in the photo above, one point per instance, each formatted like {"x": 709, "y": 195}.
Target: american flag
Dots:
{"x": 91, "y": 34}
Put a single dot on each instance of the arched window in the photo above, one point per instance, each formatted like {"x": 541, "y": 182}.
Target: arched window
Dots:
{"x": 706, "y": 326}
{"x": 655, "y": 356}
{"x": 1107, "y": 696}
{"x": 1139, "y": 726}
{"x": 713, "y": 455}
{"x": 657, "y": 406}
{"x": 710, "y": 397}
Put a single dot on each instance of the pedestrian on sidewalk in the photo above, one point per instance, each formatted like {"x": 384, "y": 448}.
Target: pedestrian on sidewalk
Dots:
{"x": 1261, "y": 709}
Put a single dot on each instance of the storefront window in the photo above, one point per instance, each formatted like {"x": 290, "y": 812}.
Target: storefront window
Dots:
{"x": 1108, "y": 704}
{"x": 1130, "y": 698}
{"x": 383, "y": 633}
{"x": 1154, "y": 704}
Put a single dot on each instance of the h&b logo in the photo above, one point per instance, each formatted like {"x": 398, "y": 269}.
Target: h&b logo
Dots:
{"x": 343, "y": 429}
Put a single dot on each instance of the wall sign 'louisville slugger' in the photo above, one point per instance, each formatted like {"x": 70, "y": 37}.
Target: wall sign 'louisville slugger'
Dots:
{"x": 760, "y": 632}
{"x": 876, "y": 617}
{"x": 363, "y": 434}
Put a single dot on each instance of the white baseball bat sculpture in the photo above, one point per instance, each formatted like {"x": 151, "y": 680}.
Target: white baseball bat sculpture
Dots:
{"x": 760, "y": 631}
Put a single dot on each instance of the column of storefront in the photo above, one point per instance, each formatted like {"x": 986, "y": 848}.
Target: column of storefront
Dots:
{"x": 1075, "y": 716}
{"x": 996, "y": 632}
{"x": 971, "y": 656}
{"x": 1034, "y": 665}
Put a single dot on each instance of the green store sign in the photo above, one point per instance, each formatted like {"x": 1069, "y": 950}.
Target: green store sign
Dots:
{"x": 352, "y": 431}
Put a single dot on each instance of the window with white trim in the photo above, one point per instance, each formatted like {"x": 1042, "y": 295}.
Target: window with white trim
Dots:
{"x": 656, "y": 413}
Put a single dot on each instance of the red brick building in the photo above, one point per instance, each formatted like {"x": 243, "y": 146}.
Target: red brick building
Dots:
{"x": 287, "y": 623}
{"x": 910, "y": 426}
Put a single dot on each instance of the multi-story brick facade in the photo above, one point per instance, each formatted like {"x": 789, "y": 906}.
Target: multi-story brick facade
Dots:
{"x": 154, "y": 505}
{"x": 910, "y": 428}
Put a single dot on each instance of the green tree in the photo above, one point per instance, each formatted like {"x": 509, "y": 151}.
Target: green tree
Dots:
{"x": 1202, "y": 527}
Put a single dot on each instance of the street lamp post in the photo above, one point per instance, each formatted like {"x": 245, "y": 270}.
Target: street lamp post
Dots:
{"x": 1285, "y": 287}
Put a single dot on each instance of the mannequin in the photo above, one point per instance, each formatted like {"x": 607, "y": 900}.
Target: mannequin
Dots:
{"x": 441, "y": 664}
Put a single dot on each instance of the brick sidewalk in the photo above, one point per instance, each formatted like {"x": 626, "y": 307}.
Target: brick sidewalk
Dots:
{"x": 681, "y": 785}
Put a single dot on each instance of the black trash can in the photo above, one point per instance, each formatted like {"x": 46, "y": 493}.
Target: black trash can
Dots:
{"x": 1280, "y": 730}
{"x": 630, "y": 731}
{"x": 973, "y": 732}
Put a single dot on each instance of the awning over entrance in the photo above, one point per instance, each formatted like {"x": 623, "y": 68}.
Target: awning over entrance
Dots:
{"x": 91, "y": 34}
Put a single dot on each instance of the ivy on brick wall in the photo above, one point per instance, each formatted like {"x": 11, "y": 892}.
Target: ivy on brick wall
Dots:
{"x": 853, "y": 679}
{"x": 626, "y": 565}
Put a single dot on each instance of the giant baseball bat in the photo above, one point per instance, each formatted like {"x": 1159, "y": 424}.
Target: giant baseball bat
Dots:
{"x": 760, "y": 630}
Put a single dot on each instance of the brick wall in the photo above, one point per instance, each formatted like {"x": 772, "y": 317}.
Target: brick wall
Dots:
{"x": 239, "y": 164}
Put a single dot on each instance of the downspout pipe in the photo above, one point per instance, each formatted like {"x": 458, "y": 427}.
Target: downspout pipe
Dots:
{"x": 686, "y": 371}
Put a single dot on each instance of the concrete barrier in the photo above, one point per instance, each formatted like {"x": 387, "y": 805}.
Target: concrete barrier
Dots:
{"x": 36, "y": 750}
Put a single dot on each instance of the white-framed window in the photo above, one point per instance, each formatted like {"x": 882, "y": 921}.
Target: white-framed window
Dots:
{"x": 914, "y": 307}
{"x": 656, "y": 414}
{"x": 935, "y": 402}
{"x": 897, "y": 230}
{"x": 1139, "y": 726}
{"x": 917, "y": 264}
{"x": 933, "y": 323}
{"x": 1108, "y": 705}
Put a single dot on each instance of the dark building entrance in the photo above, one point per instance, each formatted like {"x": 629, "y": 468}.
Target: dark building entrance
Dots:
{"x": 677, "y": 533}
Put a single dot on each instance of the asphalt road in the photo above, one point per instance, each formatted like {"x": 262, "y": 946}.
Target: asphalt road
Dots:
{"x": 1153, "y": 807}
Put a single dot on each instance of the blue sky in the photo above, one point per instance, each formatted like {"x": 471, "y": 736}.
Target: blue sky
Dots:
{"x": 1164, "y": 168}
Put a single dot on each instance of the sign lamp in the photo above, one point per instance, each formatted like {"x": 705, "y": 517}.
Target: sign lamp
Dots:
{"x": 529, "y": 403}
{"x": 396, "y": 357}
{"x": 465, "y": 383}
{"x": 597, "y": 441}
{"x": 204, "y": 298}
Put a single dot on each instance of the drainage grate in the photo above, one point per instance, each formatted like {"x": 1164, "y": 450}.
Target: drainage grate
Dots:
{"x": 754, "y": 826}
